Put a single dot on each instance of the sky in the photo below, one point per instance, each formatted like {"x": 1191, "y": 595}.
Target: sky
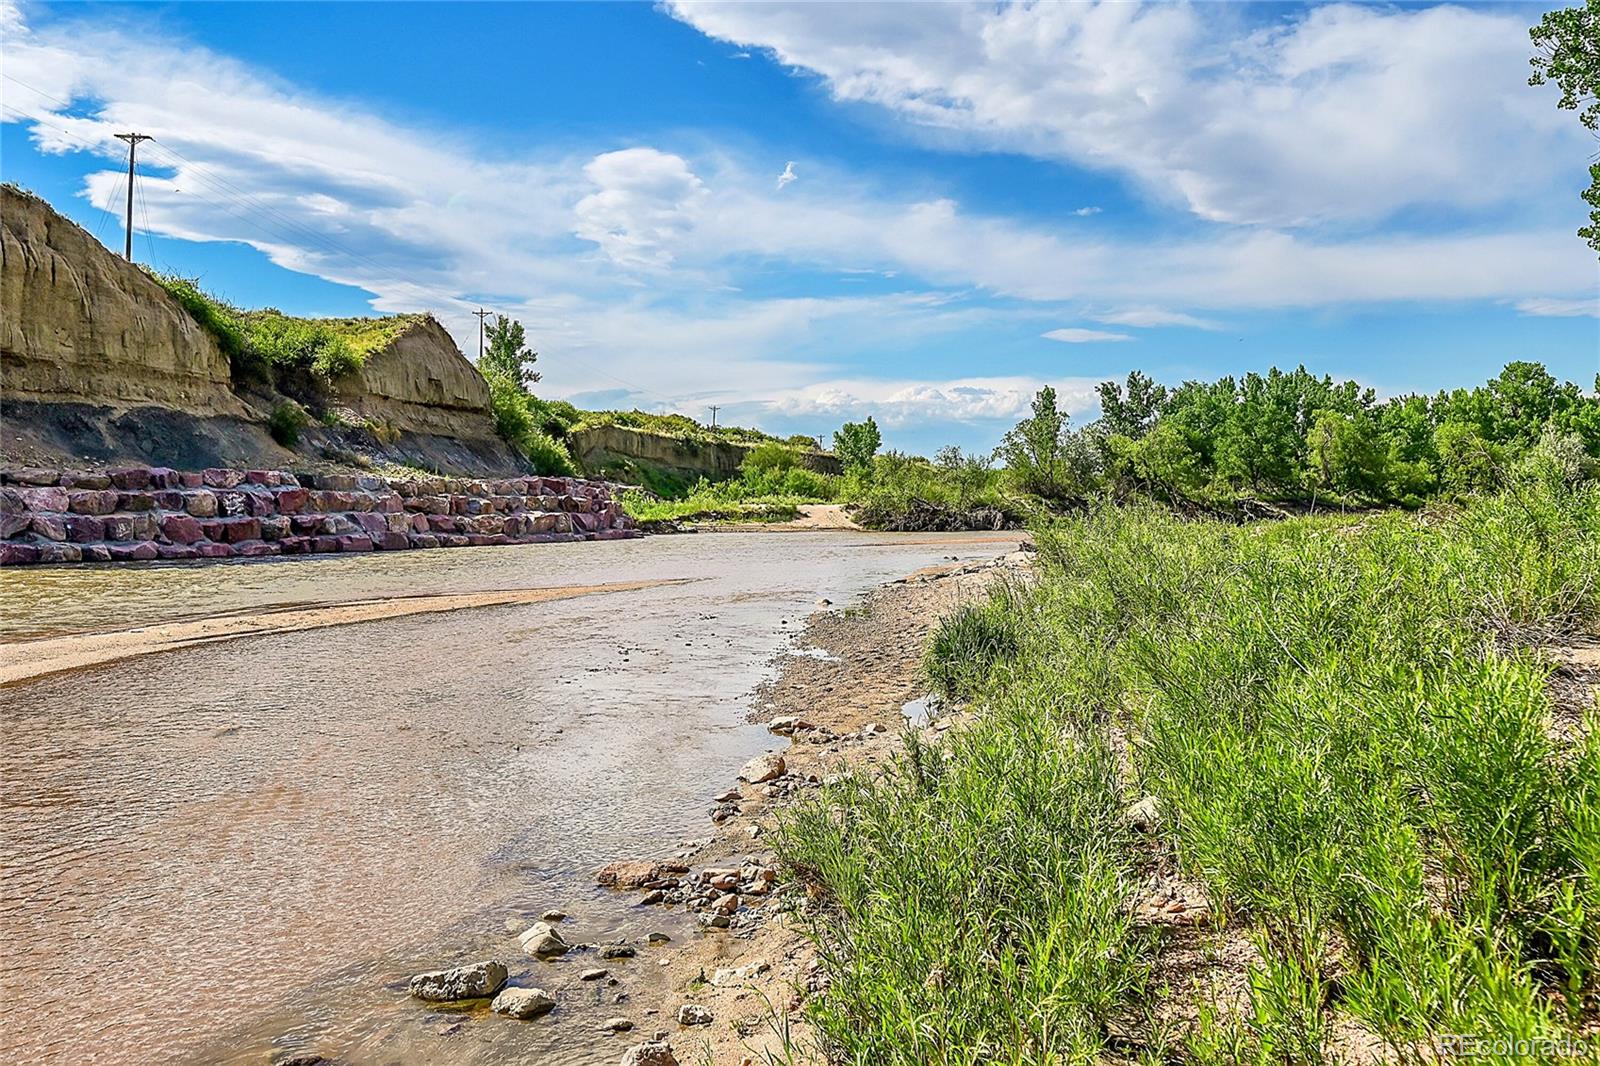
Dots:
{"x": 807, "y": 213}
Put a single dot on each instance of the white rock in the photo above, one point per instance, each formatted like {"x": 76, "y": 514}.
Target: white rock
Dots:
{"x": 472, "y": 981}
{"x": 694, "y": 1014}
{"x": 763, "y": 768}
{"x": 738, "y": 975}
{"x": 654, "y": 1053}
{"x": 523, "y": 1003}
{"x": 542, "y": 940}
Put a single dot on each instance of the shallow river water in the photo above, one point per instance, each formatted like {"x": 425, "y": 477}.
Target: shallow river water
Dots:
{"x": 237, "y": 852}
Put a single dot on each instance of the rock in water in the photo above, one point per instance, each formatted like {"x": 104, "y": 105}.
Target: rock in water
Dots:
{"x": 523, "y": 1003}
{"x": 472, "y": 981}
{"x": 618, "y": 1025}
{"x": 654, "y": 1053}
{"x": 635, "y": 873}
{"x": 694, "y": 1014}
{"x": 542, "y": 940}
{"x": 763, "y": 768}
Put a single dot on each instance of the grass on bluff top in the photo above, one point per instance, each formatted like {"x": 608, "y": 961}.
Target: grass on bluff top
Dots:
{"x": 272, "y": 347}
{"x": 1354, "y": 753}
{"x": 683, "y": 427}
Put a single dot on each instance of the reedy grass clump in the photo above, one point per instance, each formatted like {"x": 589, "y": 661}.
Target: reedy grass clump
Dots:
{"x": 1353, "y": 750}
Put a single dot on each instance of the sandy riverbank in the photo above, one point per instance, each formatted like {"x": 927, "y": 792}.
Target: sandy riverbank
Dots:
{"x": 852, "y": 678}
{"x": 28, "y": 660}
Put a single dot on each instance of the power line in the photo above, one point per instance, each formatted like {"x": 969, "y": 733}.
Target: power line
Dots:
{"x": 285, "y": 227}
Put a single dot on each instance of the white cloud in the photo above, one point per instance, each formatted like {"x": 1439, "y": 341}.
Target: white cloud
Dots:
{"x": 1151, "y": 317}
{"x": 626, "y": 266}
{"x": 1545, "y": 306}
{"x": 1076, "y": 335}
{"x": 647, "y": 200}
{"x": 905, "y": 403}
{"x": 1341, "y": 112}
{"x": 1085, "y": 212}
{"x": 788, "y": 174}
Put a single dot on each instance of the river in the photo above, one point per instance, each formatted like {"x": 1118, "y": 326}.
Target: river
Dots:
{"x": 238, "y": 851}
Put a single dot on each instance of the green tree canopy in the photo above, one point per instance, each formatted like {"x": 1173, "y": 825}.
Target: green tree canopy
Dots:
{"x": 855, "y": 443}
{"x": 1568, "y": 54}
{"x": 507, "y": 354}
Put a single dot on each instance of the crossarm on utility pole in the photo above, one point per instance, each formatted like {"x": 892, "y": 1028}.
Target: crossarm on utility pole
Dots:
{"x": 133, "y": 140}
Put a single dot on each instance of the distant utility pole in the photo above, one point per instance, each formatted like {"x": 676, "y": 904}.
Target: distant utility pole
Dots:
{"x": 714, "y": 410}
{"x": 482, "y": 314}
{"x": 133, "y": 140}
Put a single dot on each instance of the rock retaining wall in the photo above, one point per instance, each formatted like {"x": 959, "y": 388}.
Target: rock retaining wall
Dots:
{"x": 47, "y": 516}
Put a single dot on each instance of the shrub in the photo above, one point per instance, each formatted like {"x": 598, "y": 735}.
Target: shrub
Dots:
{"x": 516, "y": 421}
{"x": 220, "y": 320}
{"x": 286, "y": 422}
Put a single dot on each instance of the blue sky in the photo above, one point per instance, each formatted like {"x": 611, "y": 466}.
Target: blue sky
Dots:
{"x": 808, "y": 213}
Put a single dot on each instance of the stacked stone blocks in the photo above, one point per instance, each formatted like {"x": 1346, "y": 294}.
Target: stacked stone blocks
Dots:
{"x": 141, "y": 513}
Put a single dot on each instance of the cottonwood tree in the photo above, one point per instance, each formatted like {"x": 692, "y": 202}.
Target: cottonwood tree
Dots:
{"x": 855, "y": 443}
{"x": 1568, "y": 44}
{"x": 508, "y": 355}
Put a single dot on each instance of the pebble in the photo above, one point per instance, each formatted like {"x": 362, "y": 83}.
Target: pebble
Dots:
{"x": 553, "y": 916}
{"x": 658, "y": 938}
{"x": 654, "y": 1053}
{"x": 694, "y": 1014}
{"x": 618, "y": 1025}
{"x": 593, "y": 975}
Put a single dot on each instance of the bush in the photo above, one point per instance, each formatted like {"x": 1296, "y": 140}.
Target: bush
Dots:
{"x": 290, "y": 344}
{"x": 219, "y": 319}
{"x": 286, "y": 422}
{"x": 517, "y": 421}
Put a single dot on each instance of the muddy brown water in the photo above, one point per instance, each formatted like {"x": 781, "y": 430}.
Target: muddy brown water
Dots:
{"x": 238, "y": 852}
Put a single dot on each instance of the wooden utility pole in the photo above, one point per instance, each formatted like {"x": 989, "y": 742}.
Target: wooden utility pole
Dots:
{"x": 482, "y": 314}
{"x": 133, "y": 140}
{"x": 714, "y": 410}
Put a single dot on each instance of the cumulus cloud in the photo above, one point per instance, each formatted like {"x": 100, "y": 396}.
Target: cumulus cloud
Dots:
{"x": 1561, "y": 308}
{"x": 1339, "y": 112}
{"x": 646, "y": 201}
{"x": 1076, "y": 335}
{"x": 788, "y": 174}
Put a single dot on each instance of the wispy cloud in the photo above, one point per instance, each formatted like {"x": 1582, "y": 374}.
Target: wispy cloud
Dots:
{"x": 1085, "y": 212}
{"x": 1076, "y": 335}
{"x": 788, "y": 174}
{"x": 1546, "y": 307}
{"x": 1152, "y": 317}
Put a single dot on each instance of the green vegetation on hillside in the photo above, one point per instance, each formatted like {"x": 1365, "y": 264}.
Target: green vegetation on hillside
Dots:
{"x": 683, "y": 427}
{"x": 301, "y": 357}
{"x": 1354, "y": 758}
{"x": 534, "y": 427}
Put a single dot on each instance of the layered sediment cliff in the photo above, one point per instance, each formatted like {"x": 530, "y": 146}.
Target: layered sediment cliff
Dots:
{"x": 98, "y": 362}
{"x": 79, "y": 325}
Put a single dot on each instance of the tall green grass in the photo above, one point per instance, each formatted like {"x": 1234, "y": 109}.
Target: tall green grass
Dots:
{"x": 1353, "y": 751}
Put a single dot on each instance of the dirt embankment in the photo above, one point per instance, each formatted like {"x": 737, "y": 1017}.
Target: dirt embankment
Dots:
{"x": 102, "y": 364}
{"x": 841, "y": 701}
